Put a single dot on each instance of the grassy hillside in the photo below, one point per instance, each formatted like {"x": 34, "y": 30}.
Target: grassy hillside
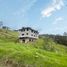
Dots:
{"x": 8, "y": 36}
{"x": 42, "y": 53}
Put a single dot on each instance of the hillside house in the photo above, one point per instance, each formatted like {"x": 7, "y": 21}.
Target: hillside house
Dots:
{"x": 28, "y": 34}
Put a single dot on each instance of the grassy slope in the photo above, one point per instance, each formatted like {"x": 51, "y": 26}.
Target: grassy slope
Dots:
{"x": 42, "y": 53}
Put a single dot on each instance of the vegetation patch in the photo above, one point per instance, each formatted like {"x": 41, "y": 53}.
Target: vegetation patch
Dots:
{"x": 42, "y": 53}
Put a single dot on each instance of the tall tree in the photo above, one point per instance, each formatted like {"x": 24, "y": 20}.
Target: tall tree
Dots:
{"x": 65, "y": 34}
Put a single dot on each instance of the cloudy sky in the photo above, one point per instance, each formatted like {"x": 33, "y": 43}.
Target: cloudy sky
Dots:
{"x": 47, "y": 16}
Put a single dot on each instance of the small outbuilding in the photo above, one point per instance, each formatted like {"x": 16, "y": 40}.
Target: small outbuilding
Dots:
{"x": 27, "y": 34}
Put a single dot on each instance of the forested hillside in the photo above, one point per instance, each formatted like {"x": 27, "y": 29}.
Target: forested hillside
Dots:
{"x": 61, "y": 39}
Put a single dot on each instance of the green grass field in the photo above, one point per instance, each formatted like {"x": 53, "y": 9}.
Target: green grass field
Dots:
{"x": 42, "y": 53}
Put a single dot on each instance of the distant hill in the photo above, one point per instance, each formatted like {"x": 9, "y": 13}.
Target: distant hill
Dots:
{"x": 44, "y": 52}
{"x": 61, "y": 39}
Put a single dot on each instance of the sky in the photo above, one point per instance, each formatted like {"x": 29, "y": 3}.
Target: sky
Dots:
{"x": 46, "y": 16}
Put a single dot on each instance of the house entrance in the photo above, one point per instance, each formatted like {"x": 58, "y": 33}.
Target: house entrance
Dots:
{"x": 23, "y": 41}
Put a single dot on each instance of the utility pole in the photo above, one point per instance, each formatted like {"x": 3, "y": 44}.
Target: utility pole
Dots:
{"x": 1, "y": 24}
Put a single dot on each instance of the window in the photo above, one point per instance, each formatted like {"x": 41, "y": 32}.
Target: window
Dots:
{"x": 23, "y": 29}
{"x": 31, "y": 30}
{"x": 26, "y": 33}
{"x": 22, "y": 34}
{"x": 27, "y": 29}
{"x": 31, "y": 34}
{"x": 34, "y": 31}
{"x": 34, "y": 35}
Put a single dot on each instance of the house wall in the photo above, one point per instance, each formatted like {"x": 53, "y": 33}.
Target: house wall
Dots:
{"x": 26, "y": 40}
{"x": 30, "y": 34}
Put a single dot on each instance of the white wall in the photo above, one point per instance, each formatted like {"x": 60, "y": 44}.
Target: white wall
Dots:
{"x": 29, "y": 34}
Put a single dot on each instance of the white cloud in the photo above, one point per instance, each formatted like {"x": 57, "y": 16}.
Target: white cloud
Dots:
{"x": 47, "y": 12}
{"x": 58, "y": 20}
{"x": 56, "y": 5}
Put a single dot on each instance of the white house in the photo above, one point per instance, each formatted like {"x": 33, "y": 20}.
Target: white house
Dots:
{"x": 27, "y": 34}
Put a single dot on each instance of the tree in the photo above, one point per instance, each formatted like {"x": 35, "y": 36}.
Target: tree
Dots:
{"x": 65, "y": 34}
{"x": 5, "y": 27}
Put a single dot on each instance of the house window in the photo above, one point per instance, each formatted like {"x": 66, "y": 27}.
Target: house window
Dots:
{"x": 31, "y": 30}
{"x": 27, "y": 29}
{"x": 26, "y": 33}
{"x": 22, "y": 34}
{"x": 23, "y": 30}
{"x": 34, "y": 35}
{"x": 31, "y": 34}
{"x": 34, "y": 31}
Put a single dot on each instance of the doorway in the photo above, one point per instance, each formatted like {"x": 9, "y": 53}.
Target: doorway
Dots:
{"x": 23, "y": 40}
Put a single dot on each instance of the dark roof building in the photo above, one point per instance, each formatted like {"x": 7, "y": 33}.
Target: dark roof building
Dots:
{"x": 28, "y": 34}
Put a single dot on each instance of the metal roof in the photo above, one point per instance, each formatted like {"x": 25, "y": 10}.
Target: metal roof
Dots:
{"x": 28, "y": 28}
